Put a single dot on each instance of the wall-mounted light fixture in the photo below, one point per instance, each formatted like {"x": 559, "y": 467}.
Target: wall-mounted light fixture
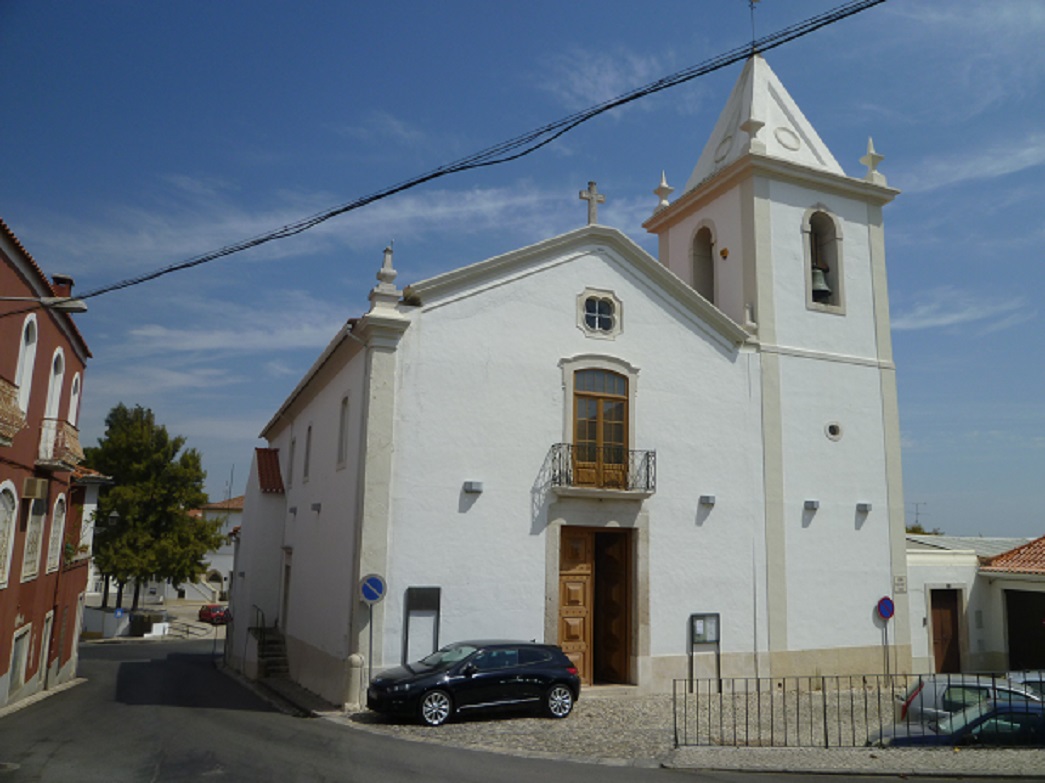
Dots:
{"x": 317, "y": 507}
{"x": 812, "y": 505}
{"x": 724, "y": 252}
{"x": 293, "y": 510}
{"x": 473, "y": 487}
{"x": 707, "y": 500}
{"x": 863, "y": 508}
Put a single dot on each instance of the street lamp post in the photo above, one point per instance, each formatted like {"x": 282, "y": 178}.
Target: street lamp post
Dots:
{"x": 61, "y": 304}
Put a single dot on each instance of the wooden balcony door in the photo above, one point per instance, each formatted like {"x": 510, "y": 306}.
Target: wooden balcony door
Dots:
{"x": 600, "y": 429}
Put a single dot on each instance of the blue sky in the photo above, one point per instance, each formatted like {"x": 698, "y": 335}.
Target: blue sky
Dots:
{"x": 140, "y": 134}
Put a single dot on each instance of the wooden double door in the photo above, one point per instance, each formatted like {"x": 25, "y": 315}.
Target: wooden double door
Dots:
{"x": 595, "y": 594}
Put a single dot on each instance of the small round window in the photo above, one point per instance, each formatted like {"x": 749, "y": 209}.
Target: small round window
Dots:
{"x": 833, "y": 430}
{"x": 600, "y": 314}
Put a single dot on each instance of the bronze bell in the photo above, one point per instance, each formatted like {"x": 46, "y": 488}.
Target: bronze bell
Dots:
{"x": 821, "y": 290}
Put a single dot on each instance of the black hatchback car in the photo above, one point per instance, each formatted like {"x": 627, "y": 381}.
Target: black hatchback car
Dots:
{"x": 478, "y": 676}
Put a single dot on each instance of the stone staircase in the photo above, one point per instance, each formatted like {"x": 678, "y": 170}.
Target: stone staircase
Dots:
{"x": 272, "y": 655}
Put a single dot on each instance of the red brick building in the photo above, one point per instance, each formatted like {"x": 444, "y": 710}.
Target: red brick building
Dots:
{"x": 44, "y": 550}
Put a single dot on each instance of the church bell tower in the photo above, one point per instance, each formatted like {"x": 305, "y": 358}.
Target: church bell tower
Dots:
{"x": 771, "y": 230}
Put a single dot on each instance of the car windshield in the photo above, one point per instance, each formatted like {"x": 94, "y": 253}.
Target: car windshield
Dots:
{"x": 960, "y": 720}
{"x": 448, "y": 655}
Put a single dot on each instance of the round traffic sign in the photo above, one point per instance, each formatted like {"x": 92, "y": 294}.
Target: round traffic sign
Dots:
{"x": 372, "y": 588}
{"x": 886, "y": 608}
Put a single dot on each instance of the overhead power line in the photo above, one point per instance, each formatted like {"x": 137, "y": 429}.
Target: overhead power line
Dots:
{"x": 515, "y": 148}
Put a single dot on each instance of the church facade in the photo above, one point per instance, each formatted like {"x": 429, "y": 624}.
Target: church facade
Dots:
{"x": 669, "y": 466}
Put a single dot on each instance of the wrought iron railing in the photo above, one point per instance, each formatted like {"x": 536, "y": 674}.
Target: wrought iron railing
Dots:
{"x": 59, "y": 445}
{"x": 825, "y": 712}
{"x": 587, "y": 466}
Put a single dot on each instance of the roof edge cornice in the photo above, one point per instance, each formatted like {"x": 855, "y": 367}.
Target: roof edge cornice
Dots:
{"x": 755, "y": 164}
{"x": 446, "y": 285}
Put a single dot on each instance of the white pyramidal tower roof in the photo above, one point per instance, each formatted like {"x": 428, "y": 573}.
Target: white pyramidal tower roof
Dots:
{"x": 761, "y": 117}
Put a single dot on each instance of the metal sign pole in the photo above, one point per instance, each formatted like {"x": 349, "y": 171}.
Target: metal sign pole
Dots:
{"x": 370, "y": 653}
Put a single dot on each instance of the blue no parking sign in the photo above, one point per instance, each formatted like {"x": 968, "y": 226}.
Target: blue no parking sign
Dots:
{"x": 372, "y": 588}
{"x": 886, "y": 608}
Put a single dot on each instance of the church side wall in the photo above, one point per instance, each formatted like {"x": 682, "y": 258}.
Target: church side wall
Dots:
{"x": 323, "y": 538}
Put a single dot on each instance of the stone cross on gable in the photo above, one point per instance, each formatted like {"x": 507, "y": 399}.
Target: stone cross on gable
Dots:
{"x": 594, "y": 198}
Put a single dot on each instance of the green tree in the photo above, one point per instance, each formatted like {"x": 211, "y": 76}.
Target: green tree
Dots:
{"x": 156, "y": 482}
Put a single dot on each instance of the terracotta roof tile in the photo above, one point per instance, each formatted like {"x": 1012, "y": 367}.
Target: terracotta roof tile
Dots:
{"x": 1026, "y": 559}
{"x": 269, "y": 476}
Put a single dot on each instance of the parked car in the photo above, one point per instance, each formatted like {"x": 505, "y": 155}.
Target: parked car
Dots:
{"x": 478, "y": 676}
{"x": 215, "y": 614}
{"x": 1017, "y": 723}
{"x": 1035, "y": 680}
{"x": 935, "y": 696}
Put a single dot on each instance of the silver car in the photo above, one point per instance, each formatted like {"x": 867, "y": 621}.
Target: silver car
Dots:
{"x": 1035, "y": 680}
{"x": 935, "y": 696}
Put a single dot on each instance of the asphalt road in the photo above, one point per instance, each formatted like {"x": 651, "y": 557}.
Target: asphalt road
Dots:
{"x": 159, "y": 712}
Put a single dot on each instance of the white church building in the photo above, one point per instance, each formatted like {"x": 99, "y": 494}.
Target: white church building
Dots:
{"x": 643, "y": 460}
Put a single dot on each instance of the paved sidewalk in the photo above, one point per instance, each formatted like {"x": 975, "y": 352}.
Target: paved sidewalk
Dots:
{"x": 617, "y": 727}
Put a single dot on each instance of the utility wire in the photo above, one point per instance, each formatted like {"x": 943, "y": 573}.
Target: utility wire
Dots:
{"x": 515, "y": 148}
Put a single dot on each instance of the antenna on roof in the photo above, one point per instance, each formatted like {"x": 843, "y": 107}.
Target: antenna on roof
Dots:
{"x": 751, "y": 5}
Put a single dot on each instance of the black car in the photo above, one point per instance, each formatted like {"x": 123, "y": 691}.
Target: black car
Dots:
{"x": 478, "y": 676}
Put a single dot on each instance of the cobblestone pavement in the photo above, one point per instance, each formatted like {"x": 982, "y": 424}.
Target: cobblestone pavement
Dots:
{"x": 637, "y": 730}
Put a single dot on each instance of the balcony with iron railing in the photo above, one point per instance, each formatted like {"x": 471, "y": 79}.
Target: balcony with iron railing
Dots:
{"x": 12, "y": 419}
{"x": 587, "y": 470}
{"x": 59, "y": 446}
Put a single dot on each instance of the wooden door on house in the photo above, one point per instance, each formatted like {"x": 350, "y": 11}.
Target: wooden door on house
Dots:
{"x": 946, "y": 634}
{"x": 594, "y": 602}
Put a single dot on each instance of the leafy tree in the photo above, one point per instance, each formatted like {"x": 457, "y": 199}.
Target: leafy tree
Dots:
{"x": 918, "y": 528}
{"x": 156, "y": 482}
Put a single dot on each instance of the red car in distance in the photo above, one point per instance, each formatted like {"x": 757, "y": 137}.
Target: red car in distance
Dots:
{"x": 215, "y": 614}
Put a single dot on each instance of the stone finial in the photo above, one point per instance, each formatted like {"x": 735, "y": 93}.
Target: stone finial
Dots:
{"x": 594, "y": 198}
{"x": 871, "y": 160}
{"x": 662, "y": 191}
{"x": 751, "y": 127}
{"x": 385, "y": 295}
{"x": 387, "y": 273}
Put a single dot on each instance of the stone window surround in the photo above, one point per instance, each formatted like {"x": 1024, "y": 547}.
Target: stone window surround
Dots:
{"x": 618, "y": 313}
{"x": 839, "y": 261}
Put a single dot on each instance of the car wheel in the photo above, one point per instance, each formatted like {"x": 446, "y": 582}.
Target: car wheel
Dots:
{"x": 558, "y": 702}
{"x": 435, "y": 708}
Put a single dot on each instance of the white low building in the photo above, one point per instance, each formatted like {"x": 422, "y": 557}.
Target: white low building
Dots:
{"x": 977, "y": 604}
{"x": 653, "y": 463}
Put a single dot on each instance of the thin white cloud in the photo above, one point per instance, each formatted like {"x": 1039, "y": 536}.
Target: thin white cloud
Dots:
{"x": 150, "y": 380}
{"x": 382, "y": 127}
{"x": 218, "y": 327}
{"x": 979, "y": 56}
{"x": 947, "y": 307}
{"x": 582, "y": 77}
{"x": 192, "y": 217}
{"x": 1003, "y": 159}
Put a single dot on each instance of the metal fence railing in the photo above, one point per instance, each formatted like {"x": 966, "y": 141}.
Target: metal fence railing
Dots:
{"x": 818, "y": 712}
{"x": 829, "y": 712}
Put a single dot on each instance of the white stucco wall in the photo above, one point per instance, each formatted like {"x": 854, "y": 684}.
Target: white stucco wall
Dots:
{"x": 494, "y": 418}
{"x": 322, "y": 543}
